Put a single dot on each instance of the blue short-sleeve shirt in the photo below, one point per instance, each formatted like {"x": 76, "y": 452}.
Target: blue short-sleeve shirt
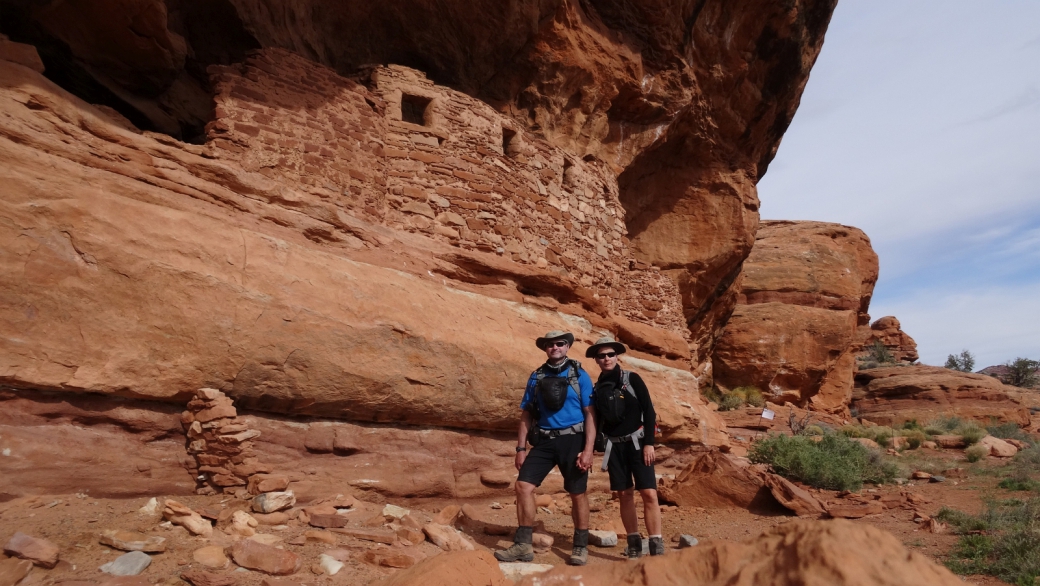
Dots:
{"x": 572, "y": 411}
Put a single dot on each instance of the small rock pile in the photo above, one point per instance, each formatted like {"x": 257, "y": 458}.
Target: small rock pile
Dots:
{"x": 220, "y": 444}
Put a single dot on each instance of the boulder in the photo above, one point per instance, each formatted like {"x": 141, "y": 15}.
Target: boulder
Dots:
{"x": 40, "y": 552}
{"x": 806, "y": 288}
{"x": 128, "y": 564}
{"x": 179, "y": 514}
{"x": 792, "y": 554}
{"x": 793, "y": 497}
{"x": 271, "y": 502}
{"x": 603, "y": 538}
{"x": 892, "y": 395}
{"x": 263, "y": 558}
{"x": 132, "y": 541}
{"x": 211, "y": 556}
{"x": 454, "y": 568}
{"x": 854, "y": 510}
{"x": 243, "y": 524}
{"x": 716, "y": 480}
{"x": 447, "y": 538}
{"x": 204, "y": 578}
{"x": 998, "y": 447}
{"x": 14, "y": 570}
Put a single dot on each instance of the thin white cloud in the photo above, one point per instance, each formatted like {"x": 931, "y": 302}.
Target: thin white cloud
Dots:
{"x": 921, "y": 125}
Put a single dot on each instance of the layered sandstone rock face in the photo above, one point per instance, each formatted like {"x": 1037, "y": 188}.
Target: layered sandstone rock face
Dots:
{"x": 806, "y": 289}
{"x": 362, "y": 243}
{"x": 892, "y": 395}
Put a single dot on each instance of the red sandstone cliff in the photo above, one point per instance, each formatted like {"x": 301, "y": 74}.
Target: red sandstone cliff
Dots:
{"x": 365, "y": 244}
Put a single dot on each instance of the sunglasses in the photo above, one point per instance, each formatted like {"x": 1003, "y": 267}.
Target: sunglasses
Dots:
{"x": 558, "y": 344}
{"x": 606, "y": 355}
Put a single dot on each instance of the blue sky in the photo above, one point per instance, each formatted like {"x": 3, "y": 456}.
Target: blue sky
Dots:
{"x": 920, "y": 124}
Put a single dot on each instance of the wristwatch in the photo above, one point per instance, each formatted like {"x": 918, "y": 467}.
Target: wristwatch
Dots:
{"x": 523, "y": 449}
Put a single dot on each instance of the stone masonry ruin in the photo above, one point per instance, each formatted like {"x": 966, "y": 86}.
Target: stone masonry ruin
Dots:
{"x": 391, "y": 147}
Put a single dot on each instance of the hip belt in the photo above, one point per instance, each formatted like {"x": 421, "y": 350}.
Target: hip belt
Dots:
{"x": 554, "y": 433}
{"x": 634, "y": 437}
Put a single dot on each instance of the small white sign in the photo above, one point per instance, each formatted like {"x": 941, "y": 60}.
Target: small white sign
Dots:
{"x": 768, "y": 414}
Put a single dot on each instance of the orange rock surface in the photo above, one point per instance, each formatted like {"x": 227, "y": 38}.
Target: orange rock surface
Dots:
{"x": 806, "y": 288}
{"x": 794, "y": 553}
{"x": 892, "y": 395}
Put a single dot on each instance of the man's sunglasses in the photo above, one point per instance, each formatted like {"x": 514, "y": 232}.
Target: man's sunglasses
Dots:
{"x": 606, "y": 355}
{"x": 559, "y": 344}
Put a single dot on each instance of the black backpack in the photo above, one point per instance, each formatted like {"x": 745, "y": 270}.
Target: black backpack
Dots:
{"x": 552, "y": 390}
{"x": 610, "y": 399}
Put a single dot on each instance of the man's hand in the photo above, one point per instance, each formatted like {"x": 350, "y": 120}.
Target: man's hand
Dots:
{"x": 648, "y": 455}
{"x": 520, "y": 457}
{"x": 585, "y": 460}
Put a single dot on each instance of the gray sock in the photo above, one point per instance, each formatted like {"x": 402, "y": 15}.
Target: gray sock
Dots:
{"x": 524, "y": 535}
{"x": 581, "y": 538}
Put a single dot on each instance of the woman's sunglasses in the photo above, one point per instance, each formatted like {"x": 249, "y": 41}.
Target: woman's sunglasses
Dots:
{"x": 606, "y": 355}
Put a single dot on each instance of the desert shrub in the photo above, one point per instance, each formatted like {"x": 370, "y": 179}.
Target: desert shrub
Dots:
{"x": 730, "y": 401}
{"x": 1008, "y": 431}
{"x": 881, "y": 434}
{"x": 971, "y": 432}
{"x": 976, "y": 453}
{"x": 912, "y": 424}
{"x": 943, "y": 425}
{"x": 1028, "y": 460}
{"x": 835, "y": 462}
{"x": 914, "y": 438}
{"x": 813, "y": 430}
{"x": 753, "y": 396}
{"x": 879, "y": 353}
{"x": 1010, "y": 547}
{"x": 736, "y": 398}
{"x": 1019, "y": 481}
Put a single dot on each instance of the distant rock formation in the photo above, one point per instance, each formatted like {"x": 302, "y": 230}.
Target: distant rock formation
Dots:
{"x": 894, "y": 394}
{"x": 889, "y": 332}
{"x": 806, "y": 290}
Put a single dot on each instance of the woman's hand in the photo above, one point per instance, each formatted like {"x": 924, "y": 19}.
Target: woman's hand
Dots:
{"x": 648, "y": 455}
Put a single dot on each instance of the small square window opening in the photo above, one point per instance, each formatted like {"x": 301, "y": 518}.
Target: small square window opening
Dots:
{"x": 413, "y": 109}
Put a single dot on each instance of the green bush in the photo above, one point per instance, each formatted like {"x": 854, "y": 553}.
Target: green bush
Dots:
{"x": 1008, "y": 431}
{"x": 813, "y": 430}
{"x": 943, "y": 425}
{"x": 835, "y": 462}
{"x": 914, "y": 438}
{"x": 912, "y": 424}
{"x": 1010, "y": 547}
{"x": 976, "y": 453}
{"x": 730, "y": 401}
{"x": 879, "y": 353}
{"x": 1019, "y": 481}
{"x": 736, "y": 398}
{"x": 753, "y": 396}
{"x": 971, "y": 432}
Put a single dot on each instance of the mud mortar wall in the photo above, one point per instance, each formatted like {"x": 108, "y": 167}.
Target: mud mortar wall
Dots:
{"x": 465, "y": 175}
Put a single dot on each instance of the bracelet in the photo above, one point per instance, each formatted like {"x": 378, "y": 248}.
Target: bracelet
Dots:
{"x": 523, "y": 449}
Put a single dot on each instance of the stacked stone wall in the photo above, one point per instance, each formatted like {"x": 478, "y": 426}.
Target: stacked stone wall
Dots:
{"x": 398, "y": 150}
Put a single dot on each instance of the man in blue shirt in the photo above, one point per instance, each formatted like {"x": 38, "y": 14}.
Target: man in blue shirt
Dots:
{"x": 557, "y": 417}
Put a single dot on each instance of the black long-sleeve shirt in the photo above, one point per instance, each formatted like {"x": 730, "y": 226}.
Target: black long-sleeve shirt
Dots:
{"x": 639, "y": 413}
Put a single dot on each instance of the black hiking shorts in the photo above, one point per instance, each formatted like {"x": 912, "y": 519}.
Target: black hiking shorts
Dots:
{"x": 561, "y": 451}
{"x": 625, "y": 464}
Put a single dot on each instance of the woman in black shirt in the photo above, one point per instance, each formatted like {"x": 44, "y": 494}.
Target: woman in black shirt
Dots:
{"x": 625, "y": 414}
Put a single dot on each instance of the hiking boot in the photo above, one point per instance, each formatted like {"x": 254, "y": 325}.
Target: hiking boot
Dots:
{"x": 579, "y": 556}
{"x": 656, "y": 546}
{"x": 635, "y": 547}
{"x": 518, "y": 552}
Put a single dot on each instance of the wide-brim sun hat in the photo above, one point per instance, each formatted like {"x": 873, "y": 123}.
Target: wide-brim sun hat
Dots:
{"x": 605, "y": 342}
{"x": 552, "y": 337}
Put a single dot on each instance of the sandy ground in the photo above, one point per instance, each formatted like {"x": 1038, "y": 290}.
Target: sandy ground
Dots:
{"x": 74, "y": 521}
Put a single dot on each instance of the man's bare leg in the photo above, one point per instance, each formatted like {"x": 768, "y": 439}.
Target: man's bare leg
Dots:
{"x": 525, "y": 506}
